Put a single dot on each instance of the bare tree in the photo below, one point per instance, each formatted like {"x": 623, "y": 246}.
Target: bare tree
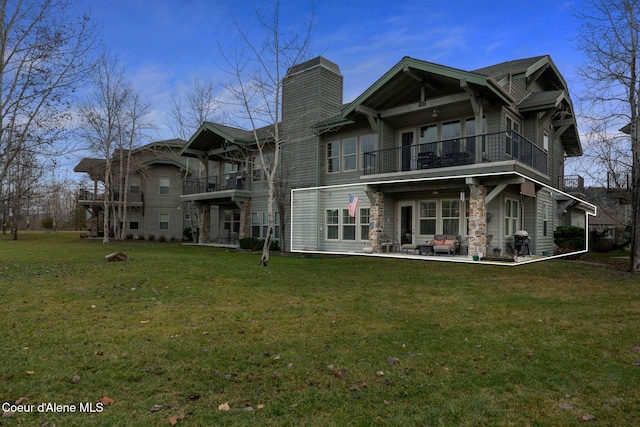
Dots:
{"x": 197, "y": 105}
{"x": 132, "y": 132}
{"x": 103, "y": 116}
{"x": 610, "y": 40}
{"x": 257, "y": 70}
{"x": 22, "y": 186}
{"x": 44, "y": 58}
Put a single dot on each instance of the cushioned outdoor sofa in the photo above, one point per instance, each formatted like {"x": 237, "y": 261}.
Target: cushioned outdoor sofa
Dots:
{"x": 445, "y": 243}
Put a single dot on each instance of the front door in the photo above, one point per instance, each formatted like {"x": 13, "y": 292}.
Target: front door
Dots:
{"x": 406, "y": 224}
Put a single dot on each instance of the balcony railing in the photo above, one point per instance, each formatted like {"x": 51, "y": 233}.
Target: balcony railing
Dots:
{"x": 209, "y": 184}
{"x": 492, "y": 147}
{"x": 573, "y": 184}
{"x": 132, "y": 196}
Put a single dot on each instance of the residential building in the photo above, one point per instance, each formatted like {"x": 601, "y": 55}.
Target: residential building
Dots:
{"x": 154, "y": 185}
{"x": 427, "y": 150}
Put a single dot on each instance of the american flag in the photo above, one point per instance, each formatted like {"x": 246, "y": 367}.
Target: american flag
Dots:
{"x": 353, "y": 204}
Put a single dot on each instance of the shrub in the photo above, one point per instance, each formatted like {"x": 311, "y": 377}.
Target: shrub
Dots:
{"x": 129, "y": 237}
{"x": 161, "y": 238}
{"x": 151, "y": 237}
{"x": 599, "y": 242}
{"x": 47, "y": 223}
{"x": 569, "y": 238}
{"x": 140, "y": 237}
{"x": 255, "y": 244}
{"x": 187, "y": 233}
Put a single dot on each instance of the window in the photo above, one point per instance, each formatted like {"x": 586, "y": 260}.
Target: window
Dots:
{"x": 545, "y": 141}
{"x": 230, "y": 167}
{"x": 348, "y": 226}
{"x": 265, "y": 224}
{"x": 163, "y": 223}
{"x": 343, "y": 155}
{"x": 134, "y": 221}
{"x": 258, "y": 170}
{"x": 231, "y": 221}
{"x": 365, "y": 214}
{"x": 451, "y": 130}
{"x": 428, "y": 213}
{"x": 165, "y": 184}
{"x": 367, "y": 144}
{"x": 545, "y": 219}
{"x": 511, "y": 147}
{"x": 511, "y": 214}
{"x": 451, "y": 216}
{"x": 255, "y": 224}
{"x": 428, "y": 137}
{"x": 134, "y": 184}
{"x": 333, "y": 156}
{"x": 350, "y": 154}
{"x": 260, "y": 225}
{"x": 332, "y": 224}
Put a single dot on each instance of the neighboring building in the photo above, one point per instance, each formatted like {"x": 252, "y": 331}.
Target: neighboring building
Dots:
{"x": 155, "y": 181}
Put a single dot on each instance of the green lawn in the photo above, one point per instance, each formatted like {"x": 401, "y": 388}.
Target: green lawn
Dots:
{"x": 178, "y": 331}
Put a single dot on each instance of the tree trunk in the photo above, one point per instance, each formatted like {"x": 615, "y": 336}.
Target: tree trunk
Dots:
{"x": 634, "y": 265}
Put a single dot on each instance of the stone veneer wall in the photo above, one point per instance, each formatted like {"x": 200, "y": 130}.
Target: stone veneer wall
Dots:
{"x": 245, "y": 220}
{"x": 204, "y": 214}
{"x": 477, "y": 220}
{"x": 376, "y": 216}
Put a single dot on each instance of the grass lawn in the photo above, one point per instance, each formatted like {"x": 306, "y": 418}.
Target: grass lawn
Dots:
{"x": 179, "y": 334}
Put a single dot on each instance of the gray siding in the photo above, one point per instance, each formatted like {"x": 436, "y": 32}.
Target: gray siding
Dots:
{"x": 308, "y": 97}
{"x": 156, "y": 204}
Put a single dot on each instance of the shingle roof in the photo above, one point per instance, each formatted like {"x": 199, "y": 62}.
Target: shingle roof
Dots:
{"x": 499, "y": 71}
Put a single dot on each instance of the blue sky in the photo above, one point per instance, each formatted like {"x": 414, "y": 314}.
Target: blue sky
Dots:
{"x": 164, "y": 43}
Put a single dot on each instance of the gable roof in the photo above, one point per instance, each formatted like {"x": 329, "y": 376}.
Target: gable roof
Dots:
{"x": 527, "y": 68}
{"x": 401, "y": 81}
{"x": 213, "y": 137}
{"x": 96, "y": 167}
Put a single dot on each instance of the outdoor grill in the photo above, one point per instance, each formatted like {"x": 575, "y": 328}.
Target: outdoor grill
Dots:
{"x": 521, "y": 242}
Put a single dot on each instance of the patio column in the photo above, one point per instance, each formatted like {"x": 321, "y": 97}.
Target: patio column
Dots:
{"x": 477, "y": 220}
{"x": 204, "y": 222}
{"x": 376, "y": 217}
{"x": 245, "y": 219}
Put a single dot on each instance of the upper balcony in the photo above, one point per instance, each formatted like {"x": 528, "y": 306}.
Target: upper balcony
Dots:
{"x": 209, "y": 184}
{"x": 478, "y": 149}
{"x": 87, "y": 197}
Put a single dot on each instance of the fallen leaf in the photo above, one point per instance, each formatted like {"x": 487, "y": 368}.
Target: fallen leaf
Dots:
{"x": 174, "y": 420}
{"x": 565, "y": 406}
{"x": 31, "y": 372}
{"x": 392, "y": 360}
{"x": 588, "y": 417}
{"x": 380, "y": 373}
{"x": 156, "y": 408}
{"x": 106, "y": 400}
{"x": 224, "y": 407}
{"x": 76, "y": 378}
{"x": 144, "y": 321}
{"x": 21, "y": 400}
{"x": 260, "y": 406}
{"x": 276, "y": 357}
{"x": 8, "y": 414}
